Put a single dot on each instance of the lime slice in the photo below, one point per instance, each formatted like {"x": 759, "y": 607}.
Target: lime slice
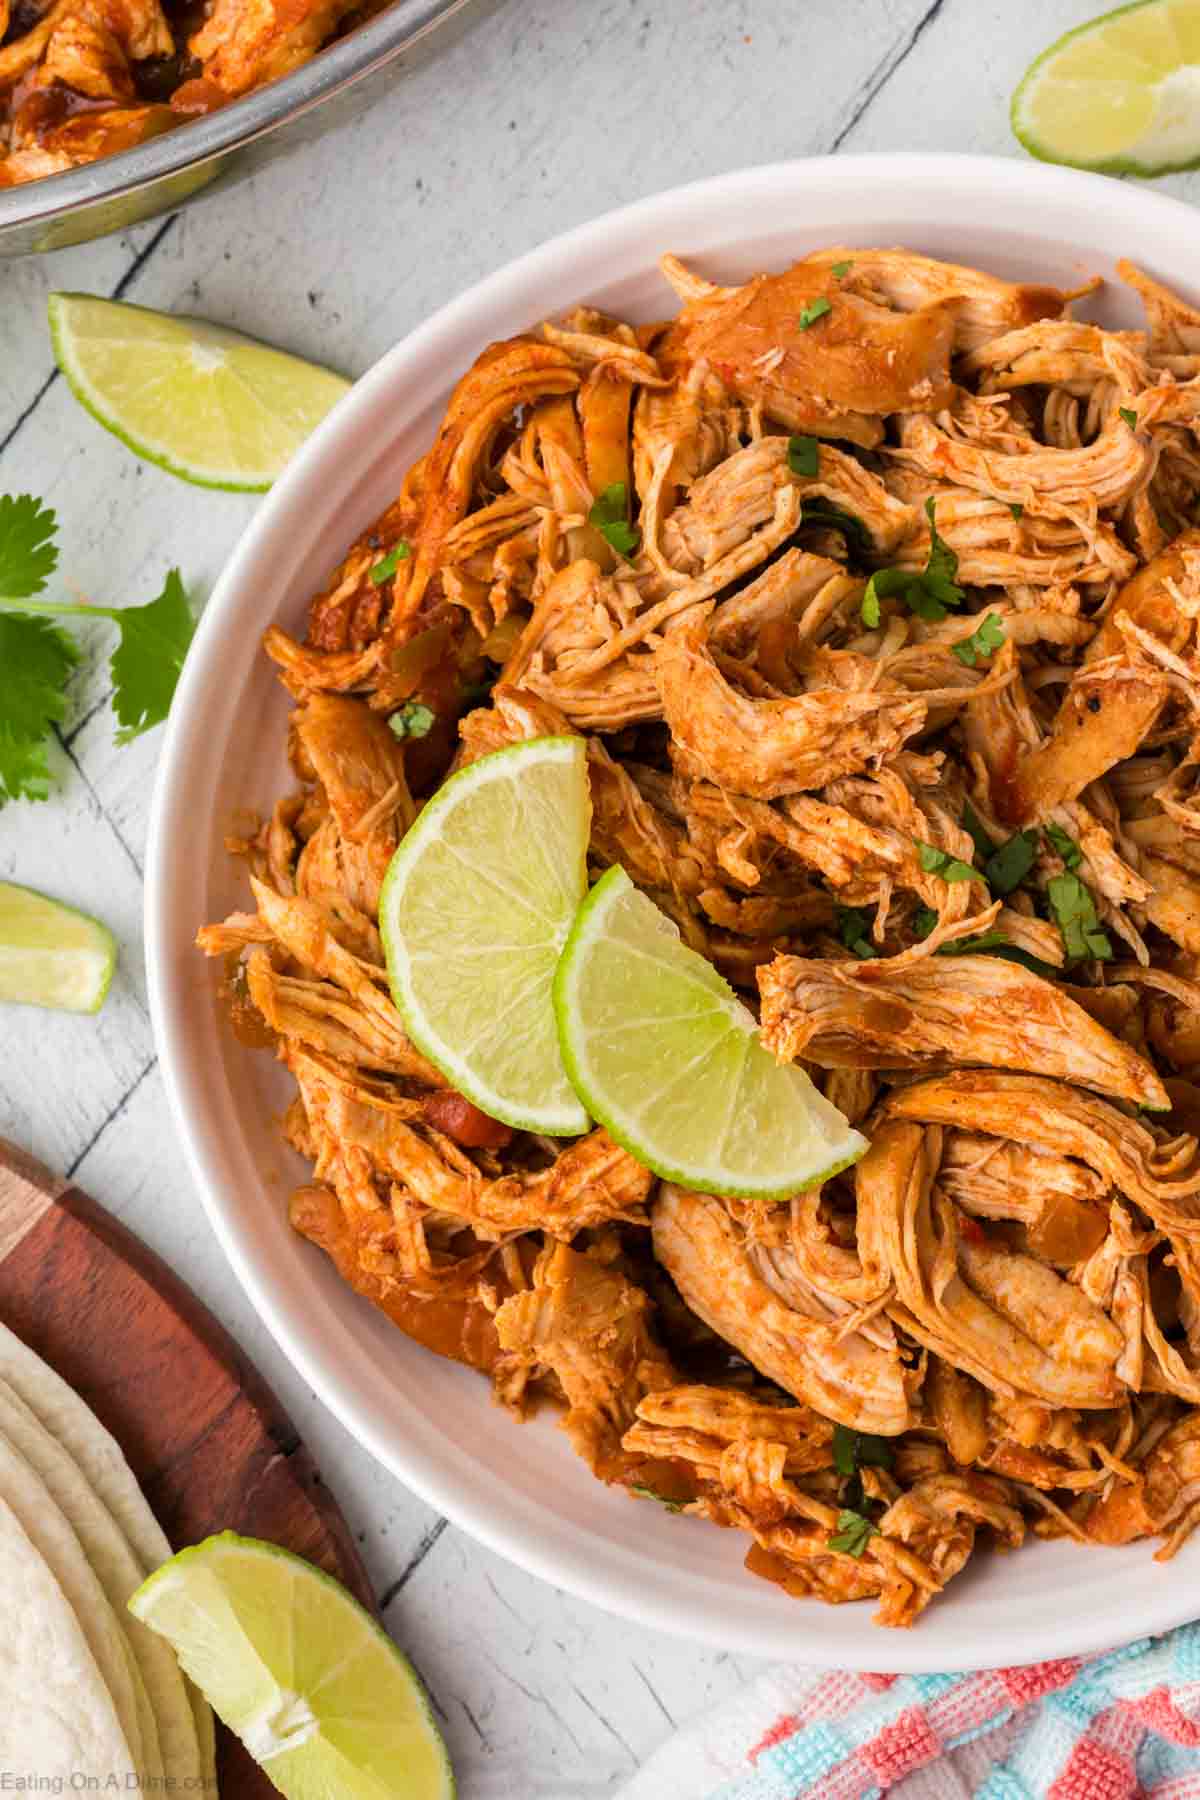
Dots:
{"x": 475, "y": 910}
{"x": 315, "y": 1690}
{"x": 51, "y": 955}
{"x": 1120, "y": 94}
{"x": 664, "y": 1054}
{"x": 203, "y": 402}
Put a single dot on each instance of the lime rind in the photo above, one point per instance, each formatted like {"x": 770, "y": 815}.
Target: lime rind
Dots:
{"x": 693, "y": 1070}
{"x": 1172, "y": 89}
{"x": 478, "y": 901}
{"x": 256, "y": 371}
{"x": 291, "y": 1662}
{"x": 51, "y": 954}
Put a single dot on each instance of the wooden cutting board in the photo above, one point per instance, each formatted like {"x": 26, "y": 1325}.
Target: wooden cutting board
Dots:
{"x": 204, "y": 1434}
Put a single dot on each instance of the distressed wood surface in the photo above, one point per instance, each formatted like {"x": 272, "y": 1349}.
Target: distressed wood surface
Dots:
{"x": 539, "y": 115}
{"x": 209, "y": 1443}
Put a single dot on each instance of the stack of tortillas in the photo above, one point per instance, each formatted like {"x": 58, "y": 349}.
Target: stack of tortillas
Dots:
{"x": 87, "y": 1693}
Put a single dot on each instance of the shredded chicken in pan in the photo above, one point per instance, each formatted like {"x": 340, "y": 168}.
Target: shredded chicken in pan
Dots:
{"x": 80, "y": 79}
{"x": 873, "y": 588}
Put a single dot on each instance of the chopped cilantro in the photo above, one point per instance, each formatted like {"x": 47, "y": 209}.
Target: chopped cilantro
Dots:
{"x": 610, "y": 516}
{"x": 854, "y": 1450}
{"x": 1017, "y": 510}
{"x": 1065, "y": 846}
{"x": 950, "y": 868}
{"x": 824, "y": 513}
{"x": 924, "y": 920}
{"x": 413, "y": 720}
{"x": 987, "y": 637}
{"x": 973, "y": 824}
{"x": 840, "y": 270}
{"x": 1075, "y": 914}
{"x": 804, "y": 455}
{"x": 929, "y": 593}
{"x": 853, "y": 929}
{"x": 1007, "y": 867}
{"x": 383, "y": 571}
{"x": 1129, "y": 416}
{"x": 816, "y": 309}
{"x": 648, "y": 1493}
{"x": 853, "y": 1533}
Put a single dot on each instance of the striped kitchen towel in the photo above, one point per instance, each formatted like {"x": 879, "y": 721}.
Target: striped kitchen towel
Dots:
{"x": 1097, "y": 1728}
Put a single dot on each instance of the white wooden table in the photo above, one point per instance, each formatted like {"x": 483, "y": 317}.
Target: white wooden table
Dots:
{"x": 542, "y": 114}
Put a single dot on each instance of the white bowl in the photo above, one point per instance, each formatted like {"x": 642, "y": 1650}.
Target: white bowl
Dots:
{"x": 521, "y": 1489}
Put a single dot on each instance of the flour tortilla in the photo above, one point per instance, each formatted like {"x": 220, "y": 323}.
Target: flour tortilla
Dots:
{"x": 99, "y": 1458}
{"x": 57, "y": 1718}
{"x": 170, "y": 1739}
{"x": 38, "y": 1523}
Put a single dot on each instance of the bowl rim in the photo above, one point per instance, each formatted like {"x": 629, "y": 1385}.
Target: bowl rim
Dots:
{"x": 575, "y": 1565}
{"x": 336, "y": 67}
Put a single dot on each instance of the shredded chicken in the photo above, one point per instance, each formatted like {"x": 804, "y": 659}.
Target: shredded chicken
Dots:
{"x": 883, "y": 646}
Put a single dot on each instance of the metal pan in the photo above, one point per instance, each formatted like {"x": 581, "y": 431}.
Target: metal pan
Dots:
{"x": 155, "y": 177}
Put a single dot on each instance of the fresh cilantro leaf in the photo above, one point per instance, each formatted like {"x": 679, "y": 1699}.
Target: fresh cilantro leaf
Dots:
{"x": 1007, "y": 867}
{"x": 648, "y": 1493}
{"x": 609, "y": 515}
{"x": 973, "y": 824}
{"x": 853, "y": 929}
{"x": 148, "y": 660}
{"x": 28, "y": 555}
{"x": 854, "y": 1450}
{"x": 1065, "y": 846}
{"x": 929, "y": 593}
{"x": 994, "y": 943}
{"x": 950, "y": 868}
{"x": 1075, "y": 914}
{"x": 924, "y": 920}
{"x": 840, "y": 270}
{"x": 973, "y": 946}
{"x": 804, "y": 455}
{"x": 1129, "y": 416}
{"x": 983, "y": 640}
{"x": 36, "y": 658}
{"x": 823, "y": 512}
{"x": 816, "y": 309}
{"x": 1017, "y": 510}
{"x": 384, "y": 570}
{"x": 853, "y": 1533}
{"x": 941, "y": 570}
{"x": 413, "y": 720}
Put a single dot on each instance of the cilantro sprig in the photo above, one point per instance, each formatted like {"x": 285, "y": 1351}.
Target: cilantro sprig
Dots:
{"x": 854, "y": 930}
{"x": 816, "y": 309}
{"x": 610, "y": 516}
{"x": 37, "y": 656}
{"x": 854, "y": 1532}
{"x": 986, "y": 638}
{"x": 930, "y": 592}
{"x": 950, "y": 868}
{"x": 384, "y": 569}
{"x": 413, "y": 720}
{"x": 1074, "y": 911}
{"x": 804, "y": 455}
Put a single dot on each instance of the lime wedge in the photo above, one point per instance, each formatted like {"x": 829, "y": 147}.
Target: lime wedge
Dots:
{"x": 474, "y": 911}
{"x": 315, "y": 1690}
{"x": 1120, "y": 94}
{"x": 51, "y": 955}
{"x": 203, "y": 402}
{"x": 664, "y": 1054}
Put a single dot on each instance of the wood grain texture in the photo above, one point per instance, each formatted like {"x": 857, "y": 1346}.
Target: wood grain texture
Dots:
{"x": 206, "y": 1438}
